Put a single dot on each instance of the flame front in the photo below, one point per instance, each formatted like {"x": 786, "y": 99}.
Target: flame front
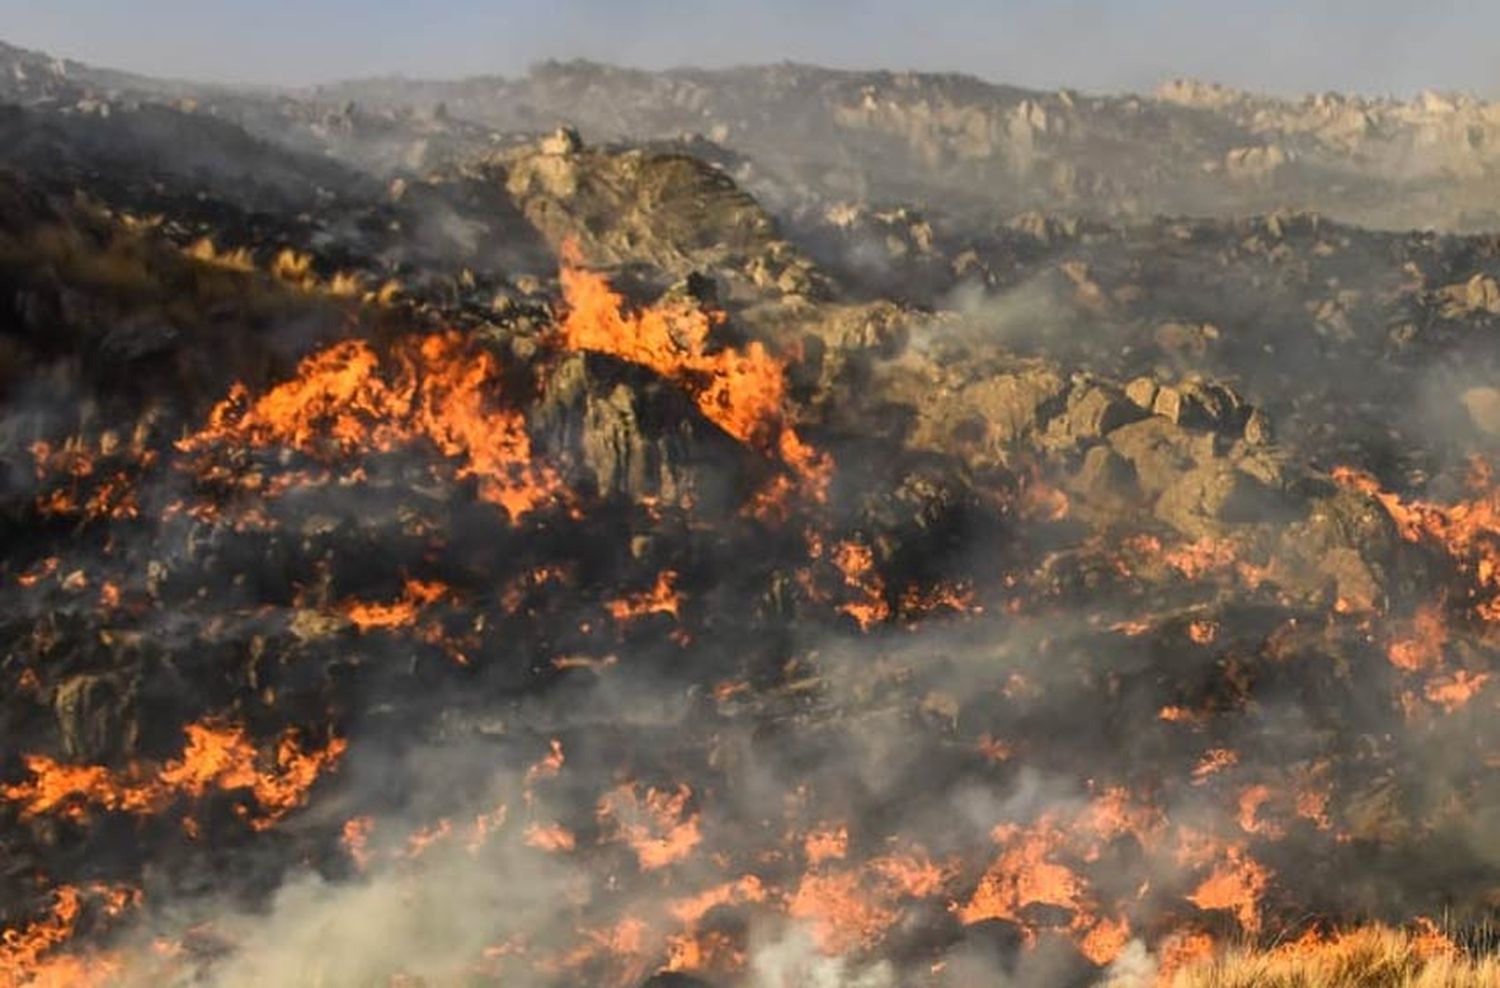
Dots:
{"x": 215, "y": 758}
{"x": 437, "y": 389}
{"x": 742, "y": 391}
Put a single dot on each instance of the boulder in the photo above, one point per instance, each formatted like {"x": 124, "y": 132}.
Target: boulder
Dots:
{"x": 1096, "y": 409}
{"x": 1160, "y": 451}
{"x": 1106, "y": 477}
{"x": 1142, "y": 391}
{"x": 1203, "y": 502}
{"x": 1346, "y": 545}
{"x": 563, "y": 140}
{"x": 1015, "y": 405}
{"x": 632, "y": 434}
{"x": 1481, "y": 293}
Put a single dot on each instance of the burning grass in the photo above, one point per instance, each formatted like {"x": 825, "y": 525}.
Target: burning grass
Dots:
{"x": 1100, "y": 758}
{"x": 1367, "y": 957}
{"x": 345, "y": 400}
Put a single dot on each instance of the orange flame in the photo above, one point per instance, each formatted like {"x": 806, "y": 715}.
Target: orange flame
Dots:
{"x": 662, "y": 598}
{"x": 356, "y": 840}
{"x": 401, "y": 613}
{"x": 28, "y": 957}
{"x": 1023, "y": 874}
{"x": 548, "y": 766}
{"x": 857, "y": 564}
{"x": 1236, "y": 885}
{"x": 826, "y": 844}
{"x": 215, "y": 757}
{"x": 1423, "y": 649}
{"x": 1214, "y": 760}
{"x": 850, "y": 908}
{"x": 658, "y": 827}
{"x": 1469, "y": 531}
{"x": 743, "y": 392}
{"x": 435, "y": 388}
{"x": 553, "y": 838}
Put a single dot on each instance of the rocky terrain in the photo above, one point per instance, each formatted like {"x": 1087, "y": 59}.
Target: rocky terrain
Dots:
{"x": 759, "y": 528}
{"x": 803, "y": 136}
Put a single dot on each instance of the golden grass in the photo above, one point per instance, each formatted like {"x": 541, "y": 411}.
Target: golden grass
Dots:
{"x": 1373, "y": 957}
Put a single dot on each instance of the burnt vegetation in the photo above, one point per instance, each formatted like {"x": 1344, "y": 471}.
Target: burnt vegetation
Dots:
{"x": 904, "y": 531}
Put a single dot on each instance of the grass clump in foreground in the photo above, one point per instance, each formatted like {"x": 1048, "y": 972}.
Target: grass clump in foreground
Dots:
{"x": 1368, "y": 957}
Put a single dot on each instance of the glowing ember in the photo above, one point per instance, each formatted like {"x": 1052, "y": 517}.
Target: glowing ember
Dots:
{"x": 401, "y": 613}
{"x": 662, "y": 598}
{"x": 857, "y": 564}
{"x": 79, "y": 483}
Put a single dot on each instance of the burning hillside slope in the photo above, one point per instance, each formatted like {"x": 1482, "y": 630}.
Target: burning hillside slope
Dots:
{"x": 682, "y": 613}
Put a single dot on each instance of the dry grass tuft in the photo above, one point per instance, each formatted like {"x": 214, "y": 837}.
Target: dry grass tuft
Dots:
{"x": 1372, "y": 957}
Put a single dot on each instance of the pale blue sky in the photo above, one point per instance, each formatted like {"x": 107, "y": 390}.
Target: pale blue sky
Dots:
{"x": 1375, "y": 46}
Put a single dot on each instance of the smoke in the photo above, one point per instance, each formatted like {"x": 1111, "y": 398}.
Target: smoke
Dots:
{"x": 1083, "y": 43}
{"x": 1158, "y": 718}
{"x": 795, "y": 962}
{"x": 427, "y": 907}
{"x": 1026, "y": 317}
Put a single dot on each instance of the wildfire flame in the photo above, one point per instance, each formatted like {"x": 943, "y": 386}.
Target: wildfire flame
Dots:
{"x": 216, "y": 757}
{"x": 742, "y": 391}
{"x": 438, "y": 389}
{"x": 657, "y": 826}
{"x": 29, "y": 957}
{"x": 415, "y": 595}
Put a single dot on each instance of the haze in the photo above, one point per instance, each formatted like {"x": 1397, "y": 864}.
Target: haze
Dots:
{"x": 1285, "y": 46}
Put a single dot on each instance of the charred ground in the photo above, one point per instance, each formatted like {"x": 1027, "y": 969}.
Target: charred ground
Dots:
{"x": 439, "y": 554}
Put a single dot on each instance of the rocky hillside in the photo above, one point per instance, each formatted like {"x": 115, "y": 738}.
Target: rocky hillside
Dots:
{"x": 859, "y": 542}
{"x": 806, "y": 134}
{"x": 963, "y": 144}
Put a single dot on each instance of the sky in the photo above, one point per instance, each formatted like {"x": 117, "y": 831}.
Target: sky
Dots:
{"x": 1284, "y": 46}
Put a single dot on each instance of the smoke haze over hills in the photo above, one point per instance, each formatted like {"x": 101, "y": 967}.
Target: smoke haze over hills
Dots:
{"x": 1280, "y": 46}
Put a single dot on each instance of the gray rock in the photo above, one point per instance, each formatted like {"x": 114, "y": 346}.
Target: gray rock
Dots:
{"x": 1106, "y": 476}
{"x": 94, "y": 718}
{"x": 1097, "y": 410}
{"x": 1207, "y": 499}
{"x": 637, "y": 436}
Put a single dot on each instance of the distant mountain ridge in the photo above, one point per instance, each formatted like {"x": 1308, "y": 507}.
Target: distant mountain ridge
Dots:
{"x": 941, "y": 141}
